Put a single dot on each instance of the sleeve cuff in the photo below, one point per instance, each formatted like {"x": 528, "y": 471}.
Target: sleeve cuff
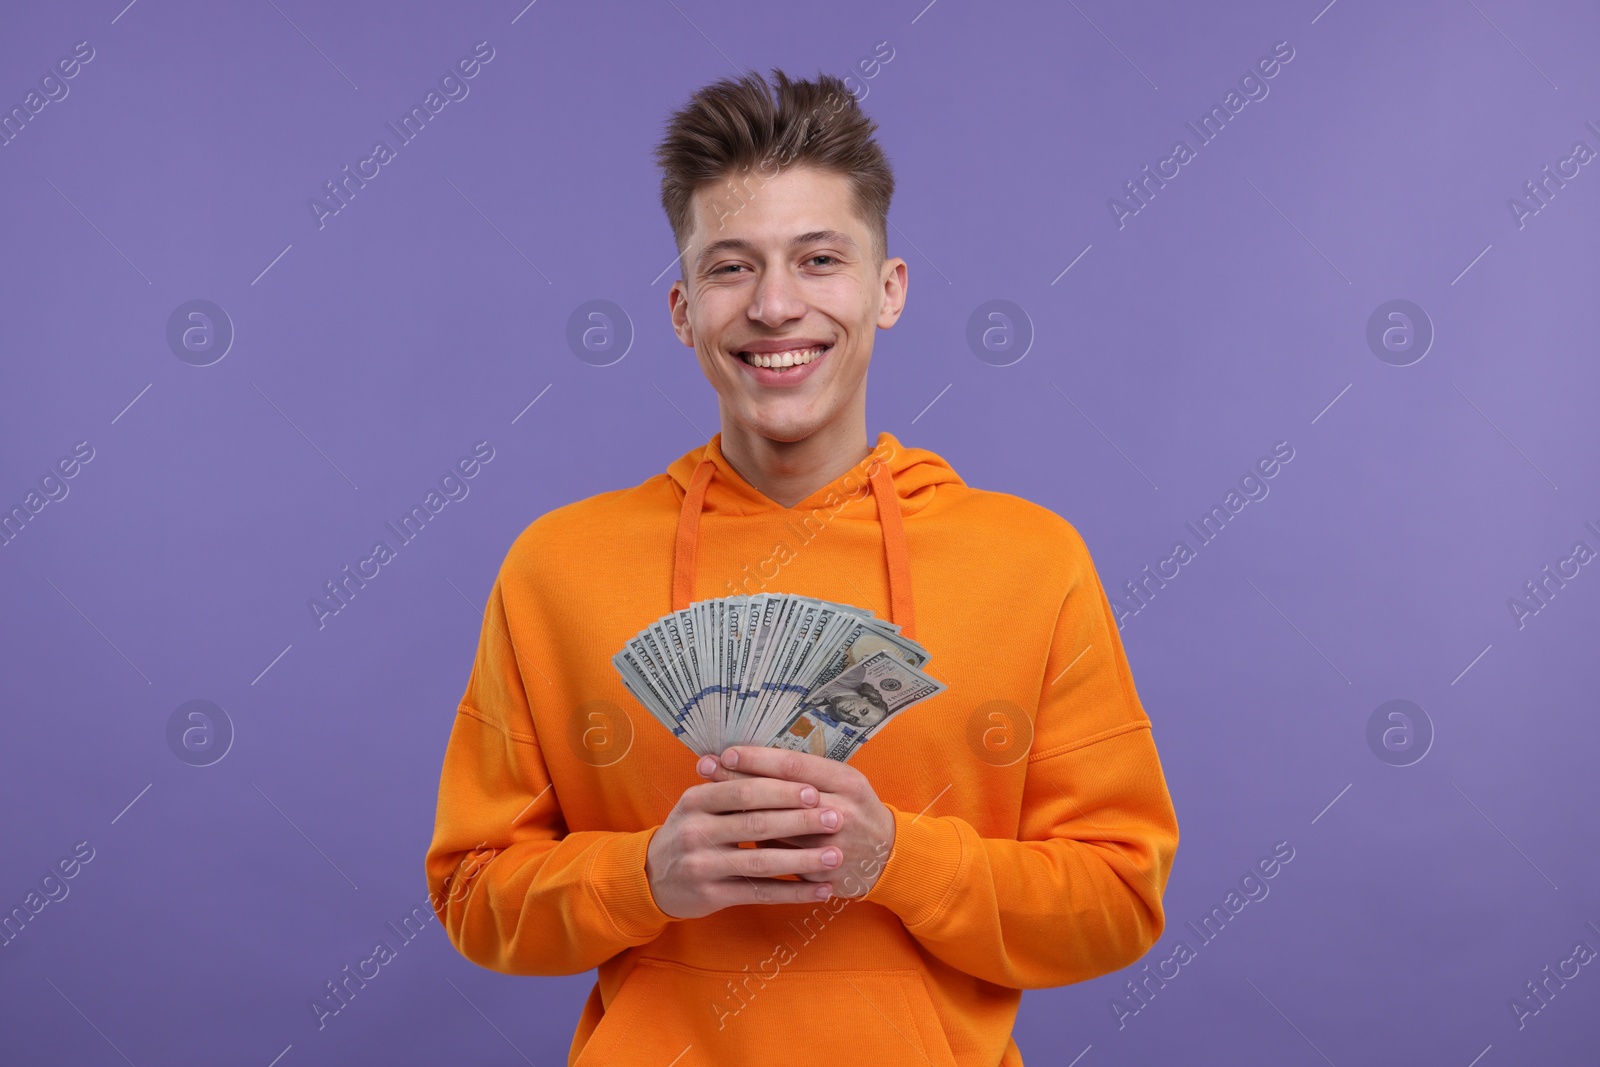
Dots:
{"x": 618, "y": 880}
{"x": 922, "y": 868}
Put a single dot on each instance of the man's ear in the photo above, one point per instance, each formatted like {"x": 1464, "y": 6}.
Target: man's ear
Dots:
{"x": 895, "y": 281}
{"x": 678, "y": 310}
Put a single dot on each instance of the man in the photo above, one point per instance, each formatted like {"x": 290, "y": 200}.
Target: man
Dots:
{"x": 773, "y": 906}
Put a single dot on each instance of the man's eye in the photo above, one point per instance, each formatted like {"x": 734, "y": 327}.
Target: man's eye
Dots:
{"x": 822, "y": 255}
{"x": 728, "y": 266}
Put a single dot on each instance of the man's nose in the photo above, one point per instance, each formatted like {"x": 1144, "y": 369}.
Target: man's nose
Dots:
{"x": 777, "y": 298}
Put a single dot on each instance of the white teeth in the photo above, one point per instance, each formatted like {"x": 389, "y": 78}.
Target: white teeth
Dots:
{"x": 793, "y": 358}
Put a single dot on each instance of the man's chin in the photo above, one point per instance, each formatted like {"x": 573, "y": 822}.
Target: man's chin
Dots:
{"x": 780, "y": 426}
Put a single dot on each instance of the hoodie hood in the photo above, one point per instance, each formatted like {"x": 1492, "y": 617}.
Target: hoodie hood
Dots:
{"x": 902, "y": 482}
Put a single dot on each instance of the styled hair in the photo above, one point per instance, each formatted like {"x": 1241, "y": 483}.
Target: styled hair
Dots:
{"x": 745, "y": 132}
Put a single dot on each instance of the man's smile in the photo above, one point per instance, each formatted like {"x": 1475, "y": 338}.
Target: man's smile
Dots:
{"x": 790, "y": 364}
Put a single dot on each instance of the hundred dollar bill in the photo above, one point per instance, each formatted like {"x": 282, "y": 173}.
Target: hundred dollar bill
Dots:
{"x": 837, "y": 718}
{"x": 774, "y": 669}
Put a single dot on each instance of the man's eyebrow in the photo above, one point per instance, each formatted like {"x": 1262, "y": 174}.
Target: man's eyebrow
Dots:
{"x": 739, "y": 244}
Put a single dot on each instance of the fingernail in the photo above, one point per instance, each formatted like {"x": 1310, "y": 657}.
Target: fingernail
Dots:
{"x": 707, "y": 766}
{"x": 730, "y": 758}
{"x": 808, "y": 795}
{"x": 830, "y": 819}
{"x": 830, "y": 856}
{"x": 824, "y": 891}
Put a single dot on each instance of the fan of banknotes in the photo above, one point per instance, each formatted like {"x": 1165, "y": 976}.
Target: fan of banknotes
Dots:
{"x": 778, "y": 670}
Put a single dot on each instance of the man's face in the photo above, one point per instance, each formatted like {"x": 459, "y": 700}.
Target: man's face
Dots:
{"x": 780, "y": 265}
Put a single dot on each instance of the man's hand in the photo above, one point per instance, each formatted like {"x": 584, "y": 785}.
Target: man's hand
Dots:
{"x": 695, "y": 865}
{"x": 867, "y": 830}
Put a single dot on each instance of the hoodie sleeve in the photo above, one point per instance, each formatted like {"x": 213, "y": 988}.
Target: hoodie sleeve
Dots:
{"x": 514, "y": 889}
{"x": 1078, "y": 893}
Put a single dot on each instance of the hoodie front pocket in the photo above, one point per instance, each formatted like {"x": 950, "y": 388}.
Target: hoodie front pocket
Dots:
{"x": 669, "y": 1013}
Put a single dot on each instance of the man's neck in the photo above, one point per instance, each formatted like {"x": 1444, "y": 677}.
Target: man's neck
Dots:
{"x": 789, "y": 471}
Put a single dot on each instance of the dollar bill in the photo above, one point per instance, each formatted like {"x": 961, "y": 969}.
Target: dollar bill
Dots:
{"x": 774, "y": 669}
{"x": 838, "y": 717}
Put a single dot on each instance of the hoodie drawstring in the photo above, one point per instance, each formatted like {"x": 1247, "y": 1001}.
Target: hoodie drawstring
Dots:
{"x": 901, "y": 610}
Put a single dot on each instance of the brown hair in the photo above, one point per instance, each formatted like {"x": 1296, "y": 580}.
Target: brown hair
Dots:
{"x": 747, "y": 130}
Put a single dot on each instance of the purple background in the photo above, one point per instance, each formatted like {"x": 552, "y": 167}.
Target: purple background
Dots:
{"x": 370, "y": 353}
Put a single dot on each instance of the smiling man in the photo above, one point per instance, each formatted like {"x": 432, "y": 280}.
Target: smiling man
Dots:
{"x": 772, "y": 906}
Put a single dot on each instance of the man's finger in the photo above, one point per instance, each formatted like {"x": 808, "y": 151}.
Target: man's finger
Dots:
{"x": 796, "y": 841}
{"x": 758, "y": 825}
{"x": 749, "y": 792}
{"x": 826, "y": 774}
{"x": 759, "y": 863}
{"x": 711, "y": 769}
{"x": 772, "y": 891}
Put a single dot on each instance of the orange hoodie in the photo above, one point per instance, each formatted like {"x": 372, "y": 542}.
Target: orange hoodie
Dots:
{"x": 1033, "y": 828}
